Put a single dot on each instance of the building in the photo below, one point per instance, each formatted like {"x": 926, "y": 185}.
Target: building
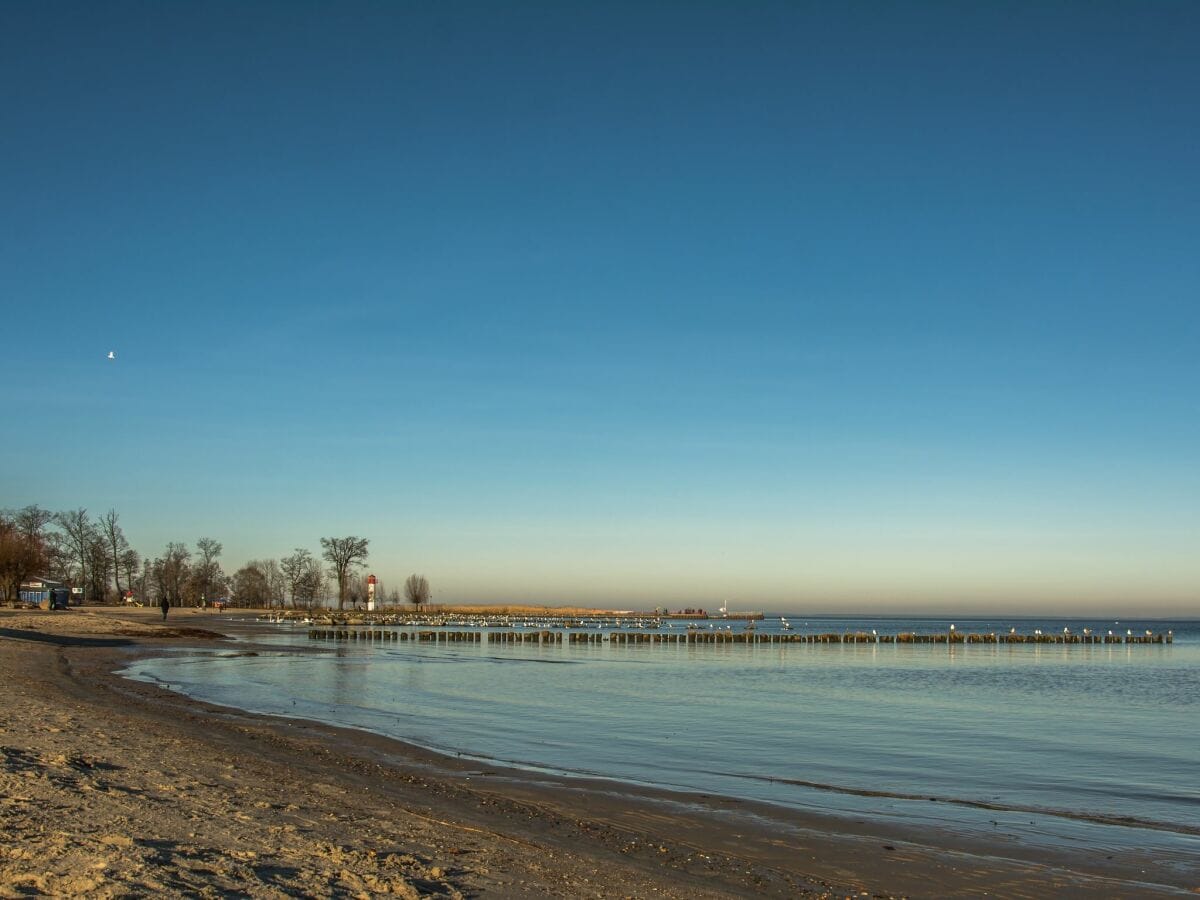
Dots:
{"x": 37, "y": 590}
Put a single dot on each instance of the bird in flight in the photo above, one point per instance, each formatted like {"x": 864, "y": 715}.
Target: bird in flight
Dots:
{"x": 112, "y": 354}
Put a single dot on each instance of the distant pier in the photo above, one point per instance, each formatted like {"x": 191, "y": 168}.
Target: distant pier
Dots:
{"x": 548, "y": 636}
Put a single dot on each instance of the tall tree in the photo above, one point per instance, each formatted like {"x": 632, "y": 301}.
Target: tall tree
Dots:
{"x": 311, "y": 585}
{"x": 58, "y": 556}
{"x": 80, "y": 534}
{"x": 276, "y": 582}
{"x": 23, "y": 548}
{"x": 116, "y": 545}
{"x": 207, "y": 569}
{"x": 356, "y": 590}
{"x": 416, "y": 589}
{"x": 171, "y": 572}
{"x": 32, "y": 520}
{"x": 146, "y": 588}
{"x": 11, "y": 564}
{"x": 344, "y": 555}
{"x": 99, "y": 568}
{"x": 129, "y": 563}
{"x": 251, "y": 585}
{"x": 293, "y": 568}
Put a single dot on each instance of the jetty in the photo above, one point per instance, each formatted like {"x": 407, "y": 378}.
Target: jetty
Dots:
{"x": 698, "y": 636}
{"x": 450, "y": 619}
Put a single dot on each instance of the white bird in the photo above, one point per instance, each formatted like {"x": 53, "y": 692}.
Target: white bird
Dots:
{"x": 112, "y": 354}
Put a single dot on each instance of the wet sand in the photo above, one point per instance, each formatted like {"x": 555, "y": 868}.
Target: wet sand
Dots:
{"x": 110, "y": 787}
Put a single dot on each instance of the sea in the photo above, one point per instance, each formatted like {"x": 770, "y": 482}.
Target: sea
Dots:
{"x": 1093, "y": 747}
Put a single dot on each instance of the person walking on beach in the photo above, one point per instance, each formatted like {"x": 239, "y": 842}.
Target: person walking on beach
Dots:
{"x": 165, "y": 604}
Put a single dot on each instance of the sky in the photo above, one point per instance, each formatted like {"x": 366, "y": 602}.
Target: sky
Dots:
{"x": 796, "y": 306}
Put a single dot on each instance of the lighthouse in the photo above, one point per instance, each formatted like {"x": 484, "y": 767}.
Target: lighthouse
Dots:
{"x": 371, "y": 593}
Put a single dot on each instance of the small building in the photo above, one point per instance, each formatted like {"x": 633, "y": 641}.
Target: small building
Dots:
{"x": 37, "y": 590}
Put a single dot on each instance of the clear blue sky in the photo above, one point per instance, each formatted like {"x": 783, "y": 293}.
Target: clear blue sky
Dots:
{"x": 845, "y": 306}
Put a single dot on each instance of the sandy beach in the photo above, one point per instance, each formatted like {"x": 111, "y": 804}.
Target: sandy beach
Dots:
{"x": 111, "y": 787}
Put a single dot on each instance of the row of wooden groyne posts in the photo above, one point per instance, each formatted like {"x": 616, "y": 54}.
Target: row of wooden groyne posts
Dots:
{"x": 725, "y": 637}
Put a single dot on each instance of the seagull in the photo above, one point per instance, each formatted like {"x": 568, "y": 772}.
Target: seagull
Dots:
{"x": 112, "y": 354}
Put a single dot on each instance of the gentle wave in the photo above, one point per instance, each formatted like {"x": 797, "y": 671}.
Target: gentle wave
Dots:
{"x": 1097, "y": 818}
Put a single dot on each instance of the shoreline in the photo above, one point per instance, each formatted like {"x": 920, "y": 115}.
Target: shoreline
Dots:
{"x": 451, "y": 827}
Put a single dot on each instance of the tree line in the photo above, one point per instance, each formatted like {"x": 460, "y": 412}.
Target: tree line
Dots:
{"x": 95, "y": 556}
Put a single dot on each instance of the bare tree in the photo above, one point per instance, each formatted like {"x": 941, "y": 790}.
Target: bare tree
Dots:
{"x": 58, "y": 557}
{"x": 293, "y": 568}
{"x": 356, "y": 591}
{"x": 277, "y": 583}
{"x": 13, "y": 566}
{"x": 32, "y": 520}
{"x": 251, "y": 585}
{"x": 79, "y": 534}
{"x": 312, "y": 582}
{"x": 145, "y": 582}
{"x": 23, "y": 547}
{"x": 416, "y": 590}
{"x": 115, "y": 543}
{"x": 207, "y": 569}
{"x": 344, "y": 555}
{"x": 171, "y": 572}
{"x": 201, "y": 586}
{"x": 129, "y": 563}
{"x": 99, "y": 568}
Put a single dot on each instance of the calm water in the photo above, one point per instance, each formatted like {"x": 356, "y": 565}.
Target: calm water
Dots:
{"x": 1044, "y": 740}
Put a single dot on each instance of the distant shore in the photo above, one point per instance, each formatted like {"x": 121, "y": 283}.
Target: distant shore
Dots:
{"x": 116, "y": 787}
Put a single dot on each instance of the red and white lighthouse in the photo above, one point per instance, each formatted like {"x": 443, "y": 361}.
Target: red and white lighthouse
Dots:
{"x": 371, "y": 593}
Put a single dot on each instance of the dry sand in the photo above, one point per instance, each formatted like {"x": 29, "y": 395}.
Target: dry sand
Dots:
{"x": 115, "y": 788}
